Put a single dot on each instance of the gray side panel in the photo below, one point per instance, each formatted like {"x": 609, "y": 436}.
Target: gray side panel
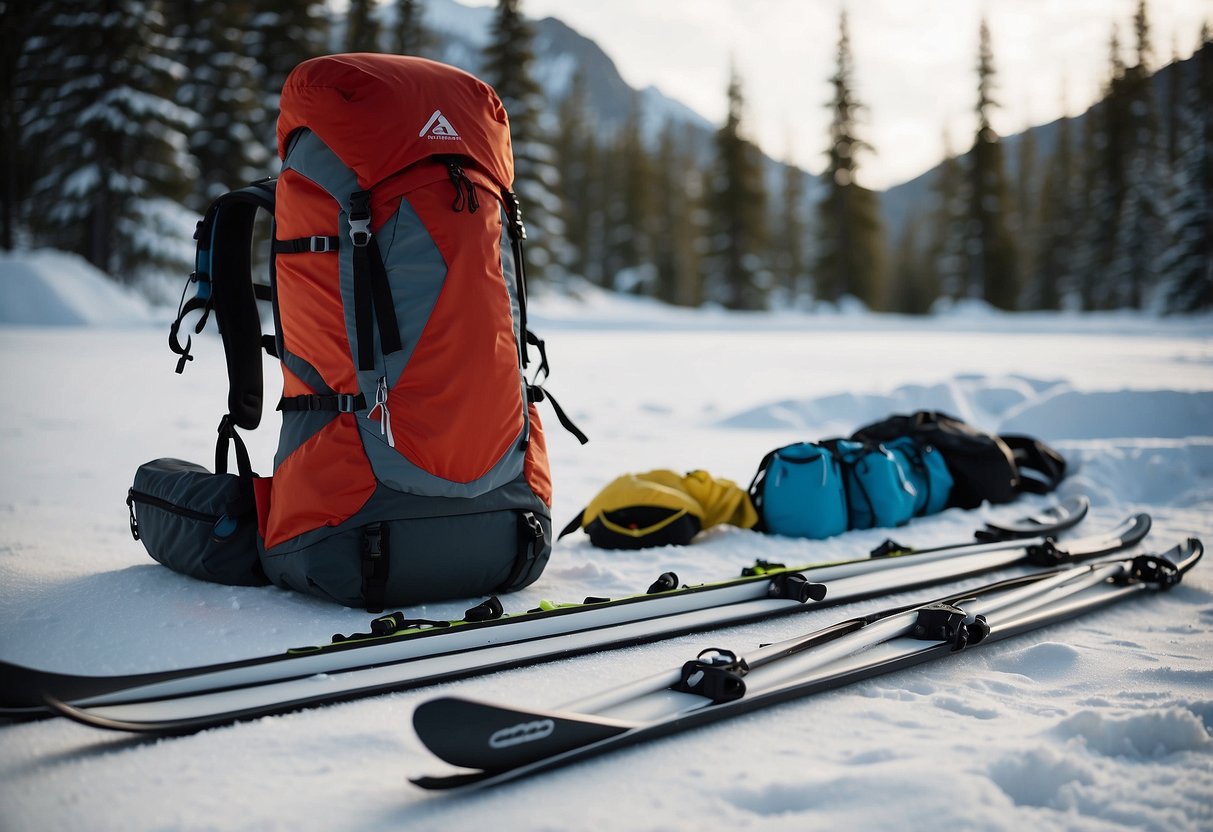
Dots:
{"x": 305, "y": 372}
{"x": 300, "y": 426}
{"x": 393, "y": 470}
{"x": 416, "y": 272}
{"x": 508, "y": 273}
{"x": 312, "y": 158}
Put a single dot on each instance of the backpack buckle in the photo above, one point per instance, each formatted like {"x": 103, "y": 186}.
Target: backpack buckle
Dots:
{"x": 360, "y": 218}
{"x": 320, "y": 244}
{"x": 346, "y": 403}
{"x": 360, "y": 232}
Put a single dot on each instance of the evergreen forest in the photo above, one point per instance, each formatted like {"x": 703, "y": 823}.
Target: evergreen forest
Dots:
{"x": 121, "y": 119}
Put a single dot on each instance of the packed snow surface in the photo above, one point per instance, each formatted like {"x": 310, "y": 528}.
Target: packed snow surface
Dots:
{"x": 1103, "y": 722}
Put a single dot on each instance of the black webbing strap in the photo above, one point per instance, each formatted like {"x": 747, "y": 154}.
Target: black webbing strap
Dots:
{"x": 573, "y": 525}
{"x": 372, "y": 293}
{"x": 317, "y": 243}
{"x": 535, "y": 393}
{"x": 530, "y": 543}
{"x": 544, "y": 370}
{"x": 184, "y": 307}
{"x": 376, "y": 557}
{"x": 227, "y": 434}
{"x": 339, "y": 402}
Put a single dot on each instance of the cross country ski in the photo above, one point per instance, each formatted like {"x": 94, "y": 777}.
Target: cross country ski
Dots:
{"x": 193, "y": 699}
{"x": 502, "y": 743}
{"x": 421, "y": 653}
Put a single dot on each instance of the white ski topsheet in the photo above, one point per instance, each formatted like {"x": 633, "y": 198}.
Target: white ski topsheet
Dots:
{"x": 1101, "y": 722}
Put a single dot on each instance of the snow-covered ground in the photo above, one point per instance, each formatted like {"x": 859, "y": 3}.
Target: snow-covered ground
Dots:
{"x": 1103, "y": 722}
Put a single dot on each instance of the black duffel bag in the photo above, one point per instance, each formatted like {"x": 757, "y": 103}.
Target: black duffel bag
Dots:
{"x": 984, "y": 466}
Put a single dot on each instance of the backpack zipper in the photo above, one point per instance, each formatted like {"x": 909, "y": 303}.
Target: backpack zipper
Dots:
{"x": 133, "y": 496}
{"x": 462, "y": 184}
{"x": 222, "y": 525}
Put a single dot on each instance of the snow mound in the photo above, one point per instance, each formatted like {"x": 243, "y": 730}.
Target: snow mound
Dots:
{"x": 1045, "y": 661}
{"x": 1149, "y": 734}
{"x": 1042, "y": 777}
{"x": 54, "y": 288}
{"x": 1175, "y": 473}
{"x": 1050, "y": 410}
{"x": 1118, "y": 414}
{"x": 983, "y": 400}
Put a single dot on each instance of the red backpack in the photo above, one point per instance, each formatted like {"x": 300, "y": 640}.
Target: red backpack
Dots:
{"x": 411, "y": 465}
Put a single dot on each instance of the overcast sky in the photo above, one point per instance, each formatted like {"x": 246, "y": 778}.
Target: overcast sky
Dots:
{"x": 914, "y": 63}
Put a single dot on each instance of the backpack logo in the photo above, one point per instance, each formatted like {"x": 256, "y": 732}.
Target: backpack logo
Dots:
{"x": 438, "y": 128}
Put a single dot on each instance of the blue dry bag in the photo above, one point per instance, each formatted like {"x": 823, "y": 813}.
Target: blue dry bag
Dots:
{"x": 927, "y": 472}
{"x": 878, "y": 492}
{"x": 798, "y": 491}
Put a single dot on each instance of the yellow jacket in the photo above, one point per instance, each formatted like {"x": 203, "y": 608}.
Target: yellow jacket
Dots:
{"x": 709, "y": 500}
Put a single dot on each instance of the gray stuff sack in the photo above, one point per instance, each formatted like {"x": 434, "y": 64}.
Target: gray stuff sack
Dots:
{"x": 200, "y": 524}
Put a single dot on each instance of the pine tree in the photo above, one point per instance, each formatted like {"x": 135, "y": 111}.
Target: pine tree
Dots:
{"x": 409, "y": 33}
{"x": 989, "y": 248}
{"x": 282, "y": 34}
{"x": 361, "y": 27}
{"x": 678, "y": 189}
{"x": 1131, "y": 271}
{"x": 945, "y": 236}
{"x": 1187, "y": 263}
{"x": 18, "y": 26}
{"x": 1174, "y": 106}
{"x": 1026, "y": 220}
{"x": 738, "y": 205}
{"x": 1103, "y": 185}
{"x": 1052, "y": 272}
{"x": 790, "y": 260}
{"x": 113, "y": 143}
{"x": 850, "y": 245}
{"x": 915, "y": 284}
{"x": 630, "y": 207}
{"x": 227, "y": 151}
{"x": 507, "y": 68}
{"x": 579, "y": 161}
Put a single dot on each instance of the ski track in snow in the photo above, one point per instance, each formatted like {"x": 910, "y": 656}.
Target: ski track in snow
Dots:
{"x": 1104, "y": 722}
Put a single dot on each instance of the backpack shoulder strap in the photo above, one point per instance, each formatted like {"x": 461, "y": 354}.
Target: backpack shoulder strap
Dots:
{"x": 223, "y": 274}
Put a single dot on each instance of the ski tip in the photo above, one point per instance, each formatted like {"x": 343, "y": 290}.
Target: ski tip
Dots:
{"x": 484, "y": 737}
{"x": 1137, "y": 527}
{"x": 1069, "y": 511}
{"x": 1057, "y": 518}
{"x": 1185, "y": 555}
{"x": 1077, "y": 504}
{"x": 449, "y": 781}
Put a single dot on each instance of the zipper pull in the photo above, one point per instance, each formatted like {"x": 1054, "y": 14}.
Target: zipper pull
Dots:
{"x": 456, "y": 174}
{"x": 130, "y": 505}
{"x": 385, "y": 417}
{"x": 463, "y": 186}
